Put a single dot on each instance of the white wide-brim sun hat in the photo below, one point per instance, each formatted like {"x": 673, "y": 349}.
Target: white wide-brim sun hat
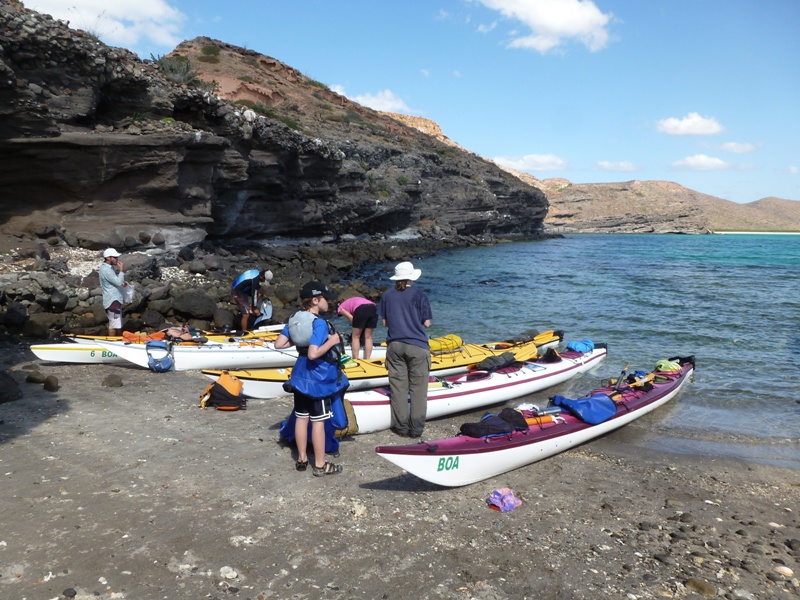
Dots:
{"x": 405, "y": 270}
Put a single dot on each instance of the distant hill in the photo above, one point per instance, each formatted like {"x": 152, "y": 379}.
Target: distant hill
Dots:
{"x": 642, "y": 206}
{"x": 659, "y": 206}
{"x": 634, "y": 206}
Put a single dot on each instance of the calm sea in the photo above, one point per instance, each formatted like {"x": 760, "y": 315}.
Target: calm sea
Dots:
{"x": 733, "y": 301}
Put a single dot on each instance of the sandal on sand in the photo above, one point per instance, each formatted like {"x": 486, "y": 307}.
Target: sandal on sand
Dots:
{"x": 327, "y": 469}
{"x": 301, "y": 465}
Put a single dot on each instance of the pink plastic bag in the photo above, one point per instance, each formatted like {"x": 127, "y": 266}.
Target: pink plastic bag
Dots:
{"x": 503, "y": 500}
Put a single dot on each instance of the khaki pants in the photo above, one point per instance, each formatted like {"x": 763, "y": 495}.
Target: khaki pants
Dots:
{"x": 409, "y": 368}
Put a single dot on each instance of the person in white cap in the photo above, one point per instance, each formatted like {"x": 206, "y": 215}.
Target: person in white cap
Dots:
{"x": 406, "y": 313}
{"x": 112, "y": 278}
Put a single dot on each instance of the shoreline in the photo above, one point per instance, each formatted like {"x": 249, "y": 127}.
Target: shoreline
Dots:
{"x": 756, "y": 233}
{"x": 135, "y": 491}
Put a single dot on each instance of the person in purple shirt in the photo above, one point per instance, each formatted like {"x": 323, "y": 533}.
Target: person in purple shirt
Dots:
{"x": 406, "y": 313}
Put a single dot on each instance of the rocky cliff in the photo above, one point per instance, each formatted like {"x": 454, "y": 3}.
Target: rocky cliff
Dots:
{"x": 100, "y": 147}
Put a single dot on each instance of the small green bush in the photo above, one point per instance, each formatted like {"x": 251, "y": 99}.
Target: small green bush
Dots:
{"x": 177, "y": 69}
{"x": 315, "y": 83}
{"x": 210, "y": 50}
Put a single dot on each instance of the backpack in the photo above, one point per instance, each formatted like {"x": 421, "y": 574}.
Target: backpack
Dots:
{"x": 224, "y": 394}
{"x": 301, "y": 327}
{"x": 159, "y": 355}
{"x": 351, "y": 427}
{"x": 508, "y": 421}
{"x": 492, "y": 363}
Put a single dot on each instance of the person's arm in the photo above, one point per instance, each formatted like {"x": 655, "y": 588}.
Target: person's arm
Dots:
{"x": 114, "y": 278}
{"x": 315, "y": 352}
{"x": 346, "y": 314}
{"x": 282, "y": 342}
{"x": 427, "y": 322}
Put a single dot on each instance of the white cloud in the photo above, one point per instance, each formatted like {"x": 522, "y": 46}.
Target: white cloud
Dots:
{"x": 487, "y": 28}
{"x": 425, "y": 72}
{"x": 701, "y": 162}
{"x": 532, "y": 162}
{"x": 621, "y": 166}
{"x": 691, "y": 124}
{"x": 738, "y": 148}
{"x": 385, "y": 100}
{"x": 555, "y": 22}
{"x": 124, "y": 23}
{"x": 794, "y": 170}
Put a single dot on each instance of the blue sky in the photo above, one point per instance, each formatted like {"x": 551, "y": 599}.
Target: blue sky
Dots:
{"x": 705, "y": 93}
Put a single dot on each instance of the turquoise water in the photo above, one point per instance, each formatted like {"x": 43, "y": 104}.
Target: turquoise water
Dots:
{"x": 731, "y": 300}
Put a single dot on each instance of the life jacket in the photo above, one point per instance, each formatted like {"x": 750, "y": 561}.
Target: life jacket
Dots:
{"x": 301, "y": 328}
{"x": 224, "y": 394}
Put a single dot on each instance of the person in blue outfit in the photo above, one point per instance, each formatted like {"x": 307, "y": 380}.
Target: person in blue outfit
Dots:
{"x": 248, "y": 295}
{"x": 317, "y": 379}
{"x": 406, "y": 312}
{"x": 112, "y": 280}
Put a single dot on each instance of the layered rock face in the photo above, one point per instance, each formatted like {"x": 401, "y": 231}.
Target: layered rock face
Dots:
{"x": 98, "y": 147}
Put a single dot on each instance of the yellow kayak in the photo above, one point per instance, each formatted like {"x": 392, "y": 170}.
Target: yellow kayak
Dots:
{"x": 446, "y": 359}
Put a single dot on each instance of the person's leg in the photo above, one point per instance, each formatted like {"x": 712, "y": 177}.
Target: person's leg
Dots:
{"x": 368, "y": 342}
{"x": 114, "y": 314}
{"x": 355, "y": 342}
{"x": 398, "y": 383}
{"x": 301, "y": 438}
{"x": 245, "y": 318}
{"x": 321, "y": 412}
{"x": 419, "y": 366}
{"x": 318, "y": 442}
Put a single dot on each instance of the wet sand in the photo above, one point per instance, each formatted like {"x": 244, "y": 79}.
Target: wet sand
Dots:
{"x": 136, "y": 492}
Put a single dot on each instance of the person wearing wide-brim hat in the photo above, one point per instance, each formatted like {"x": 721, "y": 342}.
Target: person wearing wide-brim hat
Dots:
{"x": 406, "y": 313}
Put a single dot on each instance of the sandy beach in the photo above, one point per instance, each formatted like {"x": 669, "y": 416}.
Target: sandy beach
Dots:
{"x": 136, "y": 492}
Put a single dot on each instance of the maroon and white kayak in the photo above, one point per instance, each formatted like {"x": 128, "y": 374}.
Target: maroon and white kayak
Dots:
{"x": 475, "y": 389}
{"x": 463, "y": 460}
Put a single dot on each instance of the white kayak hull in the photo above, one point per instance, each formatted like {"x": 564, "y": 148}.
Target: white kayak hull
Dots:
{"x": 212, "y": 355}
{"x": 373, "y": 407}
{"x": 77, "y": 352}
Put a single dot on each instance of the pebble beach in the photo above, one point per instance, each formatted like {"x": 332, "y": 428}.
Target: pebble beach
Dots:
{"x": 136, "y": 492}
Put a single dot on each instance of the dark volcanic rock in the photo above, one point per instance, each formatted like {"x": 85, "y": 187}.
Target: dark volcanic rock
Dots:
{"x": 104, "y": 150}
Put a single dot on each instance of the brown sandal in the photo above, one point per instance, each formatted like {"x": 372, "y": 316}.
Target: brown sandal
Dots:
{"x": 327, "y": 469}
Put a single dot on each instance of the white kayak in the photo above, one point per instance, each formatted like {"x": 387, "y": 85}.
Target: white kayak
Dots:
{"x": 81, "y": 349}
{"x": 477, "y": 388}
{"x": 244, "y": 354}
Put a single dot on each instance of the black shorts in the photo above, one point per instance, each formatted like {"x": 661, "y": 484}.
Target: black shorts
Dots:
{"x": 365, "y": 317}
{"x": 307, "y": 407}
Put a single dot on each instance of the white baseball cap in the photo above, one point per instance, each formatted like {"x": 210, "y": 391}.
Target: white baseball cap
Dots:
{"x": 110, "y": 252}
